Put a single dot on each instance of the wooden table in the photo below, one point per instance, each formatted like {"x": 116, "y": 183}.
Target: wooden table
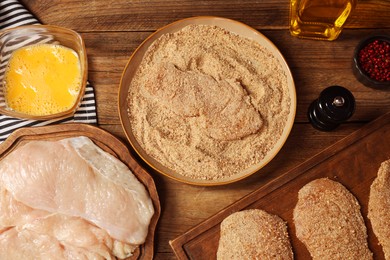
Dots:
{"x": 113, "y": 29}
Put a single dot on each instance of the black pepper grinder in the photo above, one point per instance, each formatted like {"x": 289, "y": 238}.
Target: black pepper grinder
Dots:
{"x": 334, "y": 106}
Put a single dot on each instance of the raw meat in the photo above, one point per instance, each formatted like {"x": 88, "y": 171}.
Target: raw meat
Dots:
{"x": 72, "y": 194}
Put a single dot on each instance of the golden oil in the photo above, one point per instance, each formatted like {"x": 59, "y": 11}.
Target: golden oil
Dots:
{"x": 319, "y": 19}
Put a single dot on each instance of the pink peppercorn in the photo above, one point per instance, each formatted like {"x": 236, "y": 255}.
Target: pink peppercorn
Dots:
{"x": 374, "y": 60}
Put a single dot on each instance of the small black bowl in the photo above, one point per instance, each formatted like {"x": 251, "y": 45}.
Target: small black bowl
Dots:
{"x": 360, "y": 73}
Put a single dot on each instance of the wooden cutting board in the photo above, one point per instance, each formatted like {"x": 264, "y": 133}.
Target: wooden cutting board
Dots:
{"x": 353, "y": 161}
{"x": 108, "y": 143}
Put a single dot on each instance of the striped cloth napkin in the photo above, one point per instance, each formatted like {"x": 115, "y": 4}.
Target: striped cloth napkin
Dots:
{"x": 13, "y": 14}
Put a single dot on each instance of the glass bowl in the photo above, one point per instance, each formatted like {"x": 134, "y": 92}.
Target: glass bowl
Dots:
{"x": 18, "y": 37}
{"x": 370, "y": 48}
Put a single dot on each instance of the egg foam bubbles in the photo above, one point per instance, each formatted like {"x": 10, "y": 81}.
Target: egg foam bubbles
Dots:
{"x": 42, "y": 79}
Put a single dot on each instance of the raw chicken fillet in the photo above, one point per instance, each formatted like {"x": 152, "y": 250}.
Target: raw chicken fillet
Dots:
{"x": 69, "y": 199}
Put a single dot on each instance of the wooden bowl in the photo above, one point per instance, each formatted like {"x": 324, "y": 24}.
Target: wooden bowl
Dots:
{"x": 108, "y": 143}
{"x": 135, "y": 60}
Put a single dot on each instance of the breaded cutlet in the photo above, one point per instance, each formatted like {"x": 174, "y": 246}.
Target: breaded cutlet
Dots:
{"x": 328, "y": 221}
{"x": 254, "y": 234}
{"x": 379, "y": 207}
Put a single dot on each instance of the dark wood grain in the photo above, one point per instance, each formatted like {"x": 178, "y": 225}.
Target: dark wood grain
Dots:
{"x": 149, "y": 15}
{"x": 112, "y": 30}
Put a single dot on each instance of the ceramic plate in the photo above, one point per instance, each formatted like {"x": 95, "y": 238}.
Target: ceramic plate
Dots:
{"x": 234, "y": 27}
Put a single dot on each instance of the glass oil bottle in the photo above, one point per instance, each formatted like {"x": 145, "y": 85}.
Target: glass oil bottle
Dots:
{"x": 319, "y": 19}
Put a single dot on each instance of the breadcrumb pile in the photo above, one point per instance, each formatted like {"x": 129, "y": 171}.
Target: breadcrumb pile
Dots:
{"x": 208, "y": 103}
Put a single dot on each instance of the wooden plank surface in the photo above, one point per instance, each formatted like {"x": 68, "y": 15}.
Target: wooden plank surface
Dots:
{"x": 113, "y": 29}
{"x": 147, "y": 15}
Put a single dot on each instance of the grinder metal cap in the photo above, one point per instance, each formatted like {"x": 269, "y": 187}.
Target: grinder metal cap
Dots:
{"x": 334, "y": 106}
